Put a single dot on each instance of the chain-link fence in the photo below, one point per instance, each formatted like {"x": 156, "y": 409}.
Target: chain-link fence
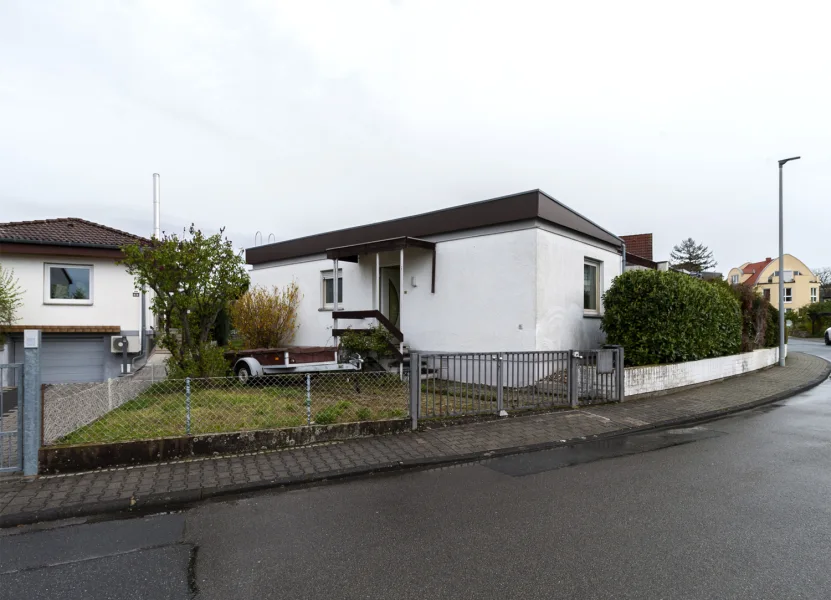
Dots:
{"x": 143, "y": 408}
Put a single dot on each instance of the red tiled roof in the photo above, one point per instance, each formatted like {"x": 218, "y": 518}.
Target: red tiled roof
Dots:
{"x": 754, "y": 270}
{"x": 71, "y": 231}
{"x": 639, "y": 244}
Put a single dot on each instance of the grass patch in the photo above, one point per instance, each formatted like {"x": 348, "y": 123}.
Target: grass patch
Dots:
{"x": 225, "y": 406}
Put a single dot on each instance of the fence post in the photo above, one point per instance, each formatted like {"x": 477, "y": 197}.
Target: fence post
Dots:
{"x": 500, "y": 384}
{"x": 571, "y": 377}
{"x": 621, "y": 373}
{"x": 187, "y": 405}
{"x": 308, "y": 399}
{"x": 415, "y": 388}
{"x": 109, "y": 393}
{"x": 31, "y": 401}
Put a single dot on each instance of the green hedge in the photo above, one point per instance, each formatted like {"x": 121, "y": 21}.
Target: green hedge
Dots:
{"x": 760, "y": 319}
{"x": 664, "y": 317}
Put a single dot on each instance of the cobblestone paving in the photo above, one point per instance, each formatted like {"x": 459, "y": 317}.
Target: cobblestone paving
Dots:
{"x": 185, "y": 481}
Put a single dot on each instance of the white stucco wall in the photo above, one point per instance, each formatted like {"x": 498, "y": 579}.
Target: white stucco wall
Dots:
{"x": 560, "y": 323}
{"x": 484, "y": 298}
{"x": 514, "y": 289}
{"x": 645, "y": 380}
{"x": 113, "y": 301}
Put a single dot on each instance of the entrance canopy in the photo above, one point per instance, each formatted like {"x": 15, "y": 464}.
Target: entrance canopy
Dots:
{"x": 351, "y": 253}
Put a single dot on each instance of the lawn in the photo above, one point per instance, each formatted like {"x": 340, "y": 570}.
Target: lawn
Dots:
{"x": 224, "y": 405}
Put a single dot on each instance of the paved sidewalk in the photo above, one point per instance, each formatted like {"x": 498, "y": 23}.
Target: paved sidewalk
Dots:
{"x": 167, "y": 484}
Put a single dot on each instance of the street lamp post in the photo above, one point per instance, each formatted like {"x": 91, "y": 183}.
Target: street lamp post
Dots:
{"x": 782, "y": 266}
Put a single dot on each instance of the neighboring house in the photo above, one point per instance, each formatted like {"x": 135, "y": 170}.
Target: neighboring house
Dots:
{"x": 74, "y": 293}
{"x": 801, "y": 285}
{"x": 520, "y": 272}
{"x": 639, "y": 253}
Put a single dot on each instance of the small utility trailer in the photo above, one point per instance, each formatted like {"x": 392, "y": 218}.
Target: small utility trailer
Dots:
{"x": 250, "y": 364}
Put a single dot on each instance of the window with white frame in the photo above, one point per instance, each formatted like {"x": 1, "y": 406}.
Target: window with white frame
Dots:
{"x": 814, "y": 294}
{"x": 591, "y": 287}
{"x": 788, "y": 294}
{"x": 734, "y": 279}
{"x": 327, "y": 289}
{"x": 67, "y": 284}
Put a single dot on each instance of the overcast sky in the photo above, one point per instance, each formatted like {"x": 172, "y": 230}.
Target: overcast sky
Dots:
{"x": 298, "y": 117}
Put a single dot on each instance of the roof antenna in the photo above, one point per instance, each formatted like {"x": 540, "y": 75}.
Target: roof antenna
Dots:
{"x": 157, "y": 199}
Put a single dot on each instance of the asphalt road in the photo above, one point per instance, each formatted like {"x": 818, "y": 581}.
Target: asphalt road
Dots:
{"x": 737, "y": 508}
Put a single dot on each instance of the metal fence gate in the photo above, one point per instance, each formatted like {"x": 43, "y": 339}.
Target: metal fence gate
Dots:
{"x": 462, "y": 384}
{"x": 11, "y": 417}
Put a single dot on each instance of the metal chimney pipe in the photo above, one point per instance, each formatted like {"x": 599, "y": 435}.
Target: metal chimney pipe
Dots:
{"x": 157, "y": 199}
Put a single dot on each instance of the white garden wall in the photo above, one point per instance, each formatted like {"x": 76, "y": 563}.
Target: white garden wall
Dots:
{"x": 647, "y": 380}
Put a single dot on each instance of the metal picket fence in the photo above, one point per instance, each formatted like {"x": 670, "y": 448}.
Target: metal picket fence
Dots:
{"x": 463, "y": 384}
{"x": 134, "y": 409}
{"x": 11, "y": 436}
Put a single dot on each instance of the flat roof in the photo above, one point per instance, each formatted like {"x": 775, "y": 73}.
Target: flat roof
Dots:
{"x": 533, "y": 204}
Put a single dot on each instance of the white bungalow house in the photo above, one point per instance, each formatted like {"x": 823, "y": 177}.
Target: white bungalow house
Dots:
{"x": 521, "y": 273}
{"x": 75, "y": 293}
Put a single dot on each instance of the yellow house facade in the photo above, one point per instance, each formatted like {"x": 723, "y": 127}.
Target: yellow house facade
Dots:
{"x": 801, "y": 285}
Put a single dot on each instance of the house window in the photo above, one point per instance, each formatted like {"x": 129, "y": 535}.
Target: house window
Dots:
{"x": 814, "y": 295}
{"x": 67, "y": 284}
{"x": 327, "y": 289}
{"x": 591, "y": 287}
{"x": 766, "y": 294}
{"x": 734, "y": 279}
{"x": 788, "y": 295}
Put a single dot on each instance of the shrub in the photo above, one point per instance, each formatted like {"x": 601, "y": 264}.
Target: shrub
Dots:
{"x": 210, "y": 362}
{"x": 267, "y": 318}
{"x": 375, "y": 340}
{"x": 755, "y": 315}
{"x": 810, "y": 320}
{"x": 668, "y": 317}
{"x": 772, "y": 330}
{"x": 10, "y": 294}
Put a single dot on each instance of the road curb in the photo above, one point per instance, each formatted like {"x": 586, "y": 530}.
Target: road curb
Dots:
{"x": 177, "y": 499}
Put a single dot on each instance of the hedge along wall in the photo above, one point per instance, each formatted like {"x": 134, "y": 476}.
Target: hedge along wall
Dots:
{"x": 662, "y": 317}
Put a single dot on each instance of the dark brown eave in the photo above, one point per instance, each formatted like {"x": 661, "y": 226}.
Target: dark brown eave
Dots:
{"x": 18, "y": 247}
{"x": 634, "y": 259}
{"x": 63, "y": 328}
{"x": 531, "y": 205}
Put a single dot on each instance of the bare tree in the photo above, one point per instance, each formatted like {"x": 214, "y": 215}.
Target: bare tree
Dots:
{"x": 691, "y": 257}
{"x": 824, "y": 277}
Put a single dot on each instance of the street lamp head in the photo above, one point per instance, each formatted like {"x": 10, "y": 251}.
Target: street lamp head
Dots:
{"x": 785, "y": 160}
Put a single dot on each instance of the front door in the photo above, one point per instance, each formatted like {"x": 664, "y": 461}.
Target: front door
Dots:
{"x": 390, "y": 294}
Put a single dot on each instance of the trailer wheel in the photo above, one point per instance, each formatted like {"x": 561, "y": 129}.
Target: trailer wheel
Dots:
{"x": 244, "y": 374}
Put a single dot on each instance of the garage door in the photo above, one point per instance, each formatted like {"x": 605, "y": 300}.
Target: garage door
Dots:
{"x": 69, "y": 358}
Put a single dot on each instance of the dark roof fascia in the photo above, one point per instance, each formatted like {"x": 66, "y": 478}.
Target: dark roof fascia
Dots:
{"x": 530, "y": 205}
{"x": 634, "y": 259}
{"x": 615, "y": 241}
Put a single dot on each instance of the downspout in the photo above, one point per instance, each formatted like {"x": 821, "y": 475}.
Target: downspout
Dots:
{"x": 142, "y": 333}
{"x": 623, "y": 258}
